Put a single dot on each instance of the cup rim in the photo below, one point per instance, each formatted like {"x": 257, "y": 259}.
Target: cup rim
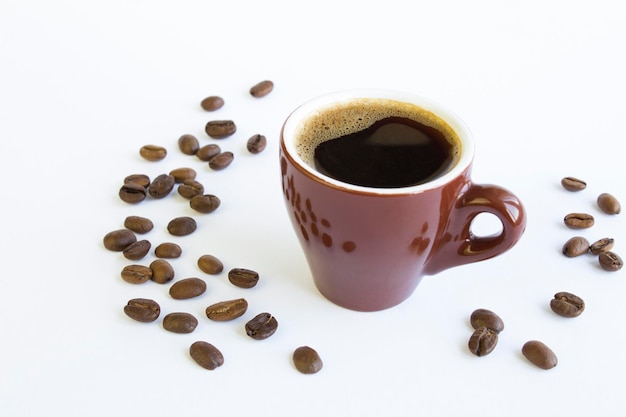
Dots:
{"x": 453, "y": 120}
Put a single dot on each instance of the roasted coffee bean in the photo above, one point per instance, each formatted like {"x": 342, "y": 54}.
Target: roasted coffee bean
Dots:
{"x": 180, "y": 322}
{"x": 137, "y": 250}
{"x": 578, "y": 220}
{"x": 227, "y": 310}
{"x": 307, "y": 360}
{"x": 573, "y": 184}
{"x": 206, "y": 355}
{"x": 575, "y": 246}
{"x": 212, "y": 103}
{"x": 602, "y": 245}
{"x": 220, "y": 129}
{"x": 262, "y": 89}
{"x": 256, "y": 144}
{"x": 207, "y": 152}
{"x": 188, "y": 144}
{"x": 190, "y": 188}
{"x": 243, "y": 278}
{"x": 567, "y": 305}
{"x": 261, "y": 326}
{"x": 210, "y": 264}
{"x": 138, "y": 224}
{"x": 182, "y": 174}
{"x": 168, "y": 250}
{"x": 206, "y": 203}
{"x": 486, "y": 318}
{"x": 141, "y": 179}
{"x": 161, "y": 186}
{"x": 221, "y": 161}
{"x": 539, "y": 354}
{"x": 610, "y": 261}
{"x": 187, "y": 288}
{"x": 153, "y": 152}
{"x": 181, "y": 226}
{"x": 118, "y": 240}
{"x": 132, "y": 193}
{"x": 609, "y": 204}
{"x": 483, "y": 341}
{"x": 136, "y": 274}
{"x": 142, "y": 309}
{"x": 162, "y": 271}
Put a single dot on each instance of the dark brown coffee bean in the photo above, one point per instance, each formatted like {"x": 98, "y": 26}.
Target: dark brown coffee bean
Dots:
{"x": 307, "y": 360}
{"x": 179, "y": 322}
{"x": 601, "y": 246}
{"x": 118, "y": 240}
{"x": 262, "y": 89}
{"x": 221, "y": 161}
{"x": 575, "y": 246}
{"x": 181, "y": 226}
{"x": 137, "y": 250}
{"x": 162, "y": 271}
{"x": 261, "y": 326}
{"x": 578, "y": 220}
{"x": 212, "y": 103}
{"x": 138, "y": 224}
{"x": 486, "y": 318}
{"x": 539, "y": 354}
{"x": 136, "y": 274}
{"x": 210, "y": 264}
{"x": 188, "y": 144}
{"x": 153, "y": 152}
{"x": 256, "y": 144}
{"x": 483, "y": 341}
{"x": 161, "y": 186}
{"x": 207, "y": 152}
{"x": 168, "y": 250}
{"x": 187, "y": 288}
{"x": 141, "y": 179}
{"x": 243, "y": 278}
{"x": 227, "y": 310}
{"x": 220, "y": 129}
{"x": 132, "y": 193}
{"x": 206, "y": 203}
{"x": 190, "y": 188}
{"x": 567, "y": 304}
{"x": 206, "y": 355}
{"x": 142, "y": 309}
{"x": 182, "y": 174}
{"x": 610, "y": 261}
{"x": 609, "y": 204}
{"x": 573, "y": 184}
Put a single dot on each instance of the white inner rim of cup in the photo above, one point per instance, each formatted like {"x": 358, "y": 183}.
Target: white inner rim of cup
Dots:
{"x": 461, "y": 129}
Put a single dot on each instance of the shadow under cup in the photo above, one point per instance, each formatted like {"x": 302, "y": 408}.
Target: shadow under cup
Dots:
{"x": 368, "y": 247}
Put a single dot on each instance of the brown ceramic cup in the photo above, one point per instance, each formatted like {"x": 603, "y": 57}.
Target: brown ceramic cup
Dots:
{"x": 368, "y": 248}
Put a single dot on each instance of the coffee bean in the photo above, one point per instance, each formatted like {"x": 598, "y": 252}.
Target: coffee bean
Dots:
{"x": 136, "y": 274}
{"x": 220, "y": 129}
{"x": 132, "y": 193}
{"x": 181, "y": 226}
{"x": 188, "y": 144}
{"x": 227, "y": 310}
{"x": 573, "y": 184}
{"x": 256, "y": 144}
{"x": 262, "y": 89}
{"x": 168, "y": 250}
{"x": 307, "y": 360}
{"x": 575, "y": 246}
{"x": 118, "y": 240}
{"x": 212, "y": 103}
{"x": 539, "y": 354}
{"x": 243, "y": 278}
{"x": 162, "y": 271}
{"x": 142, "y": 309}
{"x": 210, "y": 264}
{"x": 206, "y": 355}
{"x": 483, "y": 341}
{"x": 608, "y": 204}
{"x": 578, "y": 220}
{"x": 206, "y": 203}
{"x": 137, "y": 250}
{"x": 261, "y": 326}
{"x": 161, "y": 186}
{"x": 190, "y": 188}
{"x": 138, "y": 224}
{"x": 153, "y": 152}
{"x": 602, "y": 245}
{"x": 207, "y": 152}
{"x": 187, "y": 288}
{"x": 610, "y": 261}
{"x": 221, "y": 161}
{"x": 486, "y": 318}
{"x": 182, "y": 174}
{"x": 141, "y": 179}
{"x": 179, "y": 322}
{"x": 567, "y": 305}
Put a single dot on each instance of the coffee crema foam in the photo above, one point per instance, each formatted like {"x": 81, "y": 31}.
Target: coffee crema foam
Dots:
{"x": 340, "y": 119}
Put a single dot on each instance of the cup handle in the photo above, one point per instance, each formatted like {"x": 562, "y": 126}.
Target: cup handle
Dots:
{"x": 457, "y": 245}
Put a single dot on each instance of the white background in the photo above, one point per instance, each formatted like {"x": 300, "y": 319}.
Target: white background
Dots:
{"x": 83, "y": 85}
